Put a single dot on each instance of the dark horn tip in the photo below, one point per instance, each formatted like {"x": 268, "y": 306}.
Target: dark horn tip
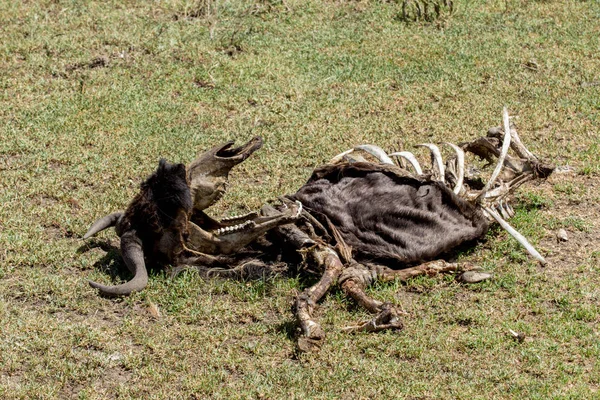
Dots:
{"x": 109, "y": 291}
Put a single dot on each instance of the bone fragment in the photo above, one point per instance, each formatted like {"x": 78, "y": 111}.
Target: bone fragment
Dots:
{"x": 475, "y": 276}
{"x": 519, "y": 337}
{"x": 460, "y": 161}
{"x": 514, "y": 233}
{"x": 410, "y": 157}
{"x": 386, "y": 319}
{"x": 562, "y": 236}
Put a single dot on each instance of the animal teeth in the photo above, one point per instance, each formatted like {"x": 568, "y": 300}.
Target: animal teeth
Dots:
{"x": 235, "y": 228}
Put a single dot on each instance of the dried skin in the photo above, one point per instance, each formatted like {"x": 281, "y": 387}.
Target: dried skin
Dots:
{"x": 385, "y": 216}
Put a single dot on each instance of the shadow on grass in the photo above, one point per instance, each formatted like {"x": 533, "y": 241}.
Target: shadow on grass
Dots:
{"x": 111, "y": 263}
{"x": 289, "y": 328}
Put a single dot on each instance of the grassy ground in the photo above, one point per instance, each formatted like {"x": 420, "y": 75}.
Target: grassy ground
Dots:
{"x": 93, "y": 93}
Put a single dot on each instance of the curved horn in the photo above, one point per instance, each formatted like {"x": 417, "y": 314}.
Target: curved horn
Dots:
{"x": 410, "y": 157}
{"x": 103, "y": 223}
{"x": 133, "y": 255}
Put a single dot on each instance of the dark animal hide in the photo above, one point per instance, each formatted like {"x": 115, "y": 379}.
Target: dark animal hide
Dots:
{"x": 386, "y": 217}
{"x": 159, "y": 212}
{"x": 153, "y": 228}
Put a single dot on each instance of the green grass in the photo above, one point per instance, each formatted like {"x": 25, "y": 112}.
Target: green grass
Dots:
{"x": 92, "y": 94}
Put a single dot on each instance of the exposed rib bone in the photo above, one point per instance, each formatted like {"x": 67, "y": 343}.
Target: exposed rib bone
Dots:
{"x": 375, "y": 151}
{"x": 340, "y": 156}
{"x": 437, "y": 158}
{"x": 514, "y": 233}
{"x": 410, "y": 157}
{"x": 515, "y": 144}
{"x": 505, "y": 209}
{"x": 369, "y": 148}
{"x": 503, "y": 153}
{"x": 460, "y": 161}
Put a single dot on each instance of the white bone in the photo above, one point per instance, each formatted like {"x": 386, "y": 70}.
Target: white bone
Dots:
{"x": 410, "y": 157}
{"x": 437, "y": 157}
{"x": 340, "y": 156}
{"x": 299, "y": 204}
{"x": 521, "y": 148}
{"x": 503, "y": 153}
{"x": 460, "y": 161}
{"x": 514, "y": 233}
{"x": 502, "y": 211}
{"x": 375, "y": 151}
{"x": 509, "y": 209}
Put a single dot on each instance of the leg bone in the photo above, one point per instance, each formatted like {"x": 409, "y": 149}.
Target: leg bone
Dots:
{"x": 430, "y": 268}
{"x": 387, "y": 315}
{"x": 304, "y": 305}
